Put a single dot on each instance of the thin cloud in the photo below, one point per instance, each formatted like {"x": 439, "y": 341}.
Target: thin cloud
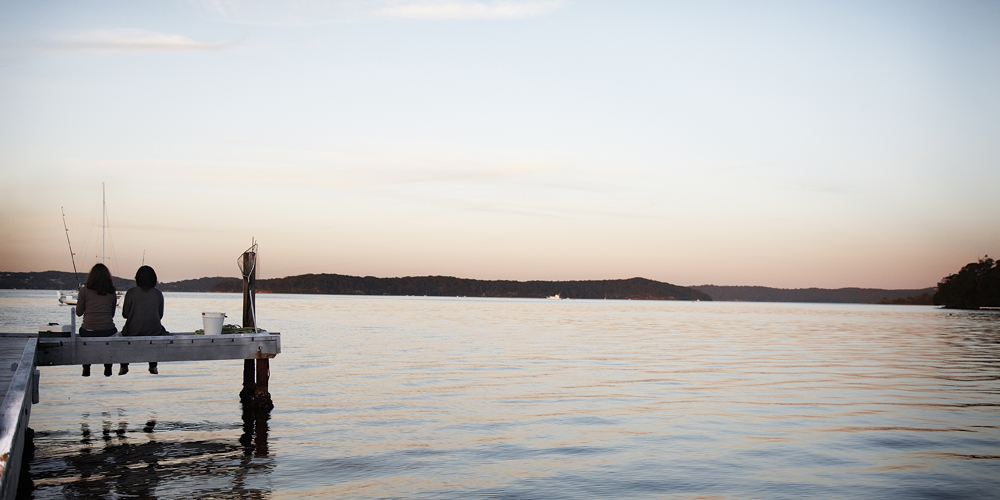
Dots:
{"x": 470, "y": 10}
{"x": 133, "y": 40}
{"x": 313, "y": 12}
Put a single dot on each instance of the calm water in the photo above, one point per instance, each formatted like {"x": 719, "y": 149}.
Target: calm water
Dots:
{"x": 418, "y": 397}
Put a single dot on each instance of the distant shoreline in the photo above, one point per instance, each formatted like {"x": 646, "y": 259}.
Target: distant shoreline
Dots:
{"x": 851, "y": 295}
{"x": 440, "y": 286}
{"x": 447, "y": 286}
{"x": 634, "y": 288}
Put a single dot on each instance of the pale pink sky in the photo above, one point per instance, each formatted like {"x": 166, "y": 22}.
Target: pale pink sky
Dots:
{"x": 778, "y": 144}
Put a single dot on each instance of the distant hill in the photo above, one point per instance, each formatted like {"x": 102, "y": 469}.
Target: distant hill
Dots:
{"x": 634, "y": 288}
{"x": 336, "y": 284}
{"x": 52, "y": 280}
{"x": 824, "y": 295}
{"x": 446, "y": 286}
{"x": 197, "y": 285}
{"x": 60, "y": 280}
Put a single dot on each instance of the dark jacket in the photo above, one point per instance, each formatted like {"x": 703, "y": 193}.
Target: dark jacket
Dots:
{"x": 142, "y": 311}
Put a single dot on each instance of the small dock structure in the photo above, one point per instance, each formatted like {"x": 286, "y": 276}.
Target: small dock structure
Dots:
{"x": 22, "y": 353}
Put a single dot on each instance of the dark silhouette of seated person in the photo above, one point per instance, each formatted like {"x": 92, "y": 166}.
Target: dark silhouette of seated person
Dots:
{"x": 143, "y": 310}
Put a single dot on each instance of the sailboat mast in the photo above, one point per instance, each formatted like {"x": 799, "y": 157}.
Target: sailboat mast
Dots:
{"x": 104, "y": 219}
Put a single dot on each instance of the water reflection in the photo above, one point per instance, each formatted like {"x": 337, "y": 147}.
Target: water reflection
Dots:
{"x": 149, "y": 462}
{"x": 254, "y": 437}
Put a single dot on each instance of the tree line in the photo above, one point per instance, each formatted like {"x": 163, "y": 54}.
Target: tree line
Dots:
{"x": 818, "y": 295}
{"x": 975, "y": 286}
{"x": 447, "y": 286}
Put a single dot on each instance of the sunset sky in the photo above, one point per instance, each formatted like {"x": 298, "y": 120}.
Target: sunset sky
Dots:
{"x": 786, "y": 144}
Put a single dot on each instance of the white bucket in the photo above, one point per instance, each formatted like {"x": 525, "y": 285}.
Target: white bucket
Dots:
{"x": 213, "y": 322}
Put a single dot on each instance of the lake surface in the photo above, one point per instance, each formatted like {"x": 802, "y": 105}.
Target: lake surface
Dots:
{"x": 428, "y": 397}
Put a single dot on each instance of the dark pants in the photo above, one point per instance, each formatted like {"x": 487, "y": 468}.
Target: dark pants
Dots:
{"x": 98, "y": 333}
{"x": 152, "y": 364}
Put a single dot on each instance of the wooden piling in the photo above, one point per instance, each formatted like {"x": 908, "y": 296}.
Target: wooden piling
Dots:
{"x": 256, "y": 372}
{"x": 249, "y": 294}
{"x": 249, "y": 382}
{"x": 249, "y": 288}
{"x": 263, "y": 372}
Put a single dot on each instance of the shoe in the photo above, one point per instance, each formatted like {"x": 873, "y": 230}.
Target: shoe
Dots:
{"x": 123, "y": 369}
{"x": 86, "y": 370}
{"x": 107, "y": 370}
{"x": 153, "y": 370}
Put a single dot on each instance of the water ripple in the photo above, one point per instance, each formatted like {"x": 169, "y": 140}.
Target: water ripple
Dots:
{"x": 413, "y": 397}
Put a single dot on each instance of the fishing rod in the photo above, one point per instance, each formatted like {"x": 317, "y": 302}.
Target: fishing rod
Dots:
{"x": 71, "y": 254}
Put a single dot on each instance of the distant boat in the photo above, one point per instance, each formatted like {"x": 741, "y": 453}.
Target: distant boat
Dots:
{"x": 67, "y": 298}
{"x": 554, "y": 297}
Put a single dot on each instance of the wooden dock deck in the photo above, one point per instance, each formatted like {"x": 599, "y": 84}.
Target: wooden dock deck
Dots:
{"x": 19, "y": 380}
{"x": 100, "y": 350}
{"x": 21, "y": 353}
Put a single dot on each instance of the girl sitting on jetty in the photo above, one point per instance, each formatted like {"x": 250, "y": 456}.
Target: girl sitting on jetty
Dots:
{"x": 143, "y": 310}
{"x": 96, "y": 302}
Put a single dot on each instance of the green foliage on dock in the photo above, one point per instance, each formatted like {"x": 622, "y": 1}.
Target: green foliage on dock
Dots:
{"x": 231, "y": 329}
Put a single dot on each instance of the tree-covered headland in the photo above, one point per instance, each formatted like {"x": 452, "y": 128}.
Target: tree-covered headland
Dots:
{"x": 976, "y": 285}
{"x": 447, "y": 286}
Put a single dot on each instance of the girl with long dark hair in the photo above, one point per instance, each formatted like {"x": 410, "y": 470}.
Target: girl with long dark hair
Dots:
{"x": 96, "y": 302}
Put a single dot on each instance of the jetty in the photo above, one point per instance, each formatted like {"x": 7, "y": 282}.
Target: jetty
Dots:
{"x": 21, "y": 355}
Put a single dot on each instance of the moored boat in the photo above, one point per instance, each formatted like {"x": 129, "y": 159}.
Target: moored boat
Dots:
{"x": 69, "y": 298}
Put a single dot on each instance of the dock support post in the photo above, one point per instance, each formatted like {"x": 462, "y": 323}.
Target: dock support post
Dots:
{"x": 249, "y": 294}
{"x": 249, "y": 382}
{"x": 255, "y": 393}
{"x": 261, "y": 397}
